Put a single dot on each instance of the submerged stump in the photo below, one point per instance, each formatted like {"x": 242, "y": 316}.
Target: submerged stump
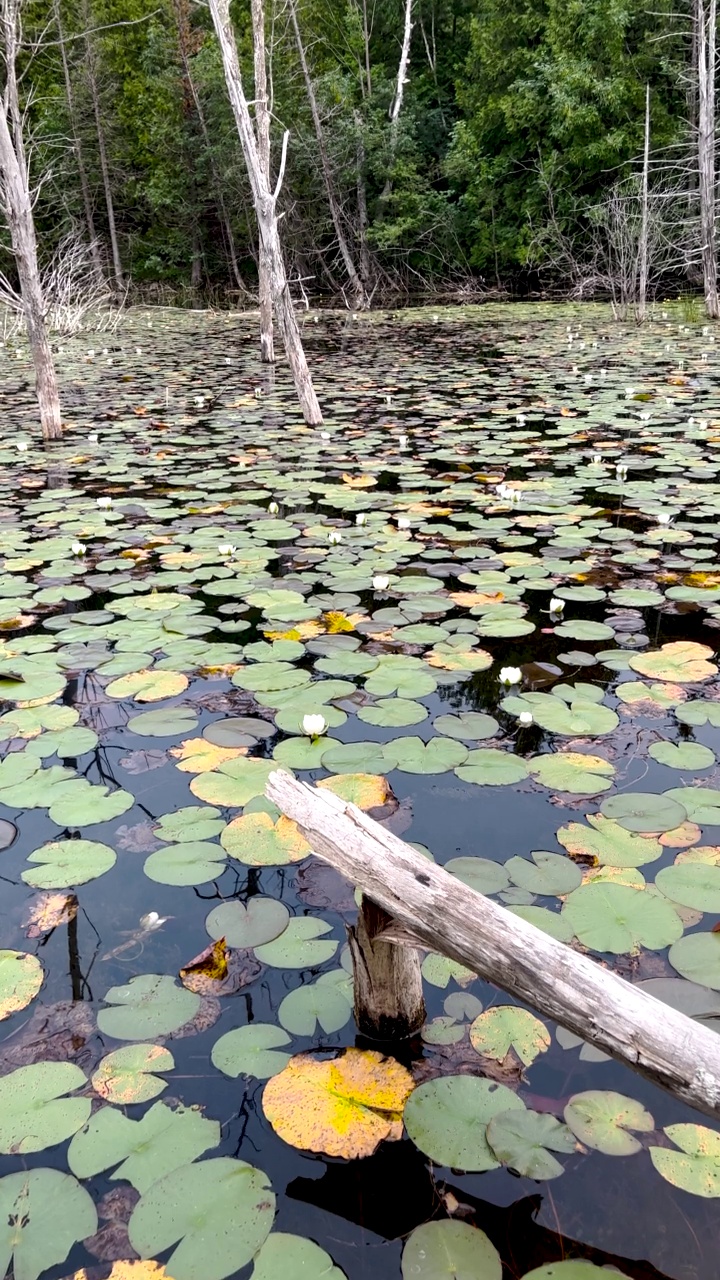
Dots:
{"x": 389, "y": 1002}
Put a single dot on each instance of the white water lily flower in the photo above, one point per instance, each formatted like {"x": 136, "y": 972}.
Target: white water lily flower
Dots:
{"x": 361, "y": 518}
{"x": 380, "y": 582}
{"x": 104, "y": 502}
{"x": 152, "y": 920}
{"x": 78, "y": 548}
{"x": 334, "y": 537}
{"x": 314, "y": 726}
{"x": 403, "y": 522}
{"x": 664, "y": 517}
{"x": 273, "y": 508}
{"x": 324, "y": 435}
{"x": 525, "y": 718}
{"x": 403, "y": 442}
{"x": 226, "y": 549}
{"x": 596, "y": 459}
{"x": 21, "y": 446}
{"x": 93, "y": 437}
{"x": 629, "y": 392}
{"x": 510, "y": 675}
{"x": 621, "y": 471}
{"x": 557, "y": 605}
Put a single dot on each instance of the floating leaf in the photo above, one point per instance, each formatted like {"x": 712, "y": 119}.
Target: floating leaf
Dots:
{"x": 345, "y": 1106}
{"x": 490, "y": 767}
{"x": 165, "y": 723}
{"x": 127, "y": 1075}
{"x": 681, "y": 661}
{"x": 82, "y": 805}
{"x": 448, "y": 1118}
{"x": 69, "y": 862}
{"x": 697, "y": 957}
{"x": 35, "y": 1112}
{"x": 323, "y": 1003}
{"x": 234, "y": 783}
{"x": 299, "y": 946}
{"x": 258, "y": 841}
{"x": 643, "y": 811}
{"x": 695, "y": 1166}
{"x": 525, "y": 1140}
{"x": 699, "y": 711}
{"x": 393, "y": 713}
{"x": 692, "y": 884}
{"x": 147, "y": 1006}
{"x": 604, "y": 1120}
{"x": 366, "y": 790}
{"x": 198, "y": 755}
{"x": 232, "y": 1206}
{"x": 251, "y": 1051}
{"x": 551, "y": 874}
{"x": 189, "y": 863}
{"x": 196, "y": 822}
{"x": 702, "y": 804}
{"x": 607, "y": 841}
{"x": 21, "y": 977}
{"x": 494, "y": 1033}
{"x": 621, "y": 920}
{"x": 144, "y": 1150}
{"x": 581, "y": 775}
{"x": 43, "y": 1213}
{"x": 439, "y": 970}
{"x": 468, "y": 726}
{"x": 262, "y": 920}
{"x": 439, "y": 755}
{"x": 481, "y": 874}
{"x": 211, "y": 965}
{"x": 682, "y": 755}
{"x": 148, "y": 686}
{"x": 288, "y": 1257}
{"x": 449, "y": 1248}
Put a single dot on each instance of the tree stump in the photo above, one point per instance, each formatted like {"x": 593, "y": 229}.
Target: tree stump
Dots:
{"x": 389, "y": 1001}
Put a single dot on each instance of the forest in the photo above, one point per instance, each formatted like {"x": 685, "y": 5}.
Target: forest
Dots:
{"x": 434, "y": 145}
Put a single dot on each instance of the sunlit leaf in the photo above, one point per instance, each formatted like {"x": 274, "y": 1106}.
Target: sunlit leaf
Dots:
{"x": 144, "y": 1150}
{"x": 127, "y": 1075}
{"x": 607, "y": 1121}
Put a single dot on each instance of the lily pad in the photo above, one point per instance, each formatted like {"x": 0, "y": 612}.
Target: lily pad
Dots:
{"x": 693, "y": 1164}
{"x": 697, "y": 957}
{"x": 449, "y": 1248}
{"x": 607, "y": 841}
{"x": 551, "y": 874}
{"x": 682, "y": 755}
{"x": 498, "y": 1030}
{"x": 525, "y": 1141}
{"x": 681, "y": 662}
{"x": 251, "y": 1051}
{"x": 194, "y": 862}
{"x": 439, "y": 755}
{"x": 572, "y": 771}
{"x": 489, "y": 767}
{"x": 262, "y": 920}
{"x": 144, "y": 1150}
{"x": 55, "y": 1212}
{"x": 643, "y": 811}
{"x": 147, "y": 1006}
{"x": 288, "y": 1257}
{"x": 621, "y": 920}
{"x": 65, "y": 863}
{"x": 300, "y": 946}
{"x": 607, "y": 1121}
{"x": 447, "y": 1119}
{"x": 258, "y": 841}
{"x": 127, "y": 1075}
{"x": 35, "y": 1111}
{"x": 691, "y": 884}
{"x": 21, "y": 977}
{"x": 468, "y": 726}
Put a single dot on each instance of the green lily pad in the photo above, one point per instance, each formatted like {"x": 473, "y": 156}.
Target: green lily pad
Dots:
{"x": 643, "y": 811}
{"x": 64, "y": 863}
{"x": 189, "y": 863}
{"x": 251, "y": 1051}
{"x": 610, "y": 843}
{"x": 317, "y": 1003}
{"x": 439, "y": 755}
{"x": 481, "y": 874}
{"x": 168, "y": 722}
{"x": 449, "y": 1248}
{"x": 357, "y": 757}
{"x": 621, "y": 920}
{"x": 572, "y": 771}
{"x": 127, "y": 1075}
{"x": 525, "y": 1141}
{"x": 447, "y": 1119}
{"x": 233, "y": 783}
{"x": 694, "y": 1163}
{"x": 55, "y": 1212}
{"x": 682, "y": 755}
{"x": 83, "y": 805}
{"x": 393, "y": 713}
{"x": 551, "y": 922}
{"x": 498, "y": 1030}
{"x": 35, "y": 1111}
{"x": 606, "y": 1121}
{"x": 300, "y": 946}
{"x": 490, "y": 767}
{"x": 144, "y": 1150}
{"x": 552, "y": 874}
{"x": 262, "y": 920}
{"x": 196, "y": 822}
{"x": 147, "y": 1006}
{"x": 697, "y": 957}
{"x": 288, "y": 1257}
{"x": 21, "y": 977}
{"x": 232, "y": 1205}
{"x": 440, "y": 970}
{"x": 699, "y": 711}
{"x": 701, "y": 804}
{"x": 692, "y": 884}
{"x": 468, "y": 726}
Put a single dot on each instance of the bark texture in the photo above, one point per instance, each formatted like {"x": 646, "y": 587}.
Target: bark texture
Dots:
{"x": 706, "y": 20}
{"x": 389, "y": 1002}
{"x": 262, "y": 126}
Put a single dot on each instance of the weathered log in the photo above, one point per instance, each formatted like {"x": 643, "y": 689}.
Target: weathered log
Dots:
{"x": 667, "y": 1047}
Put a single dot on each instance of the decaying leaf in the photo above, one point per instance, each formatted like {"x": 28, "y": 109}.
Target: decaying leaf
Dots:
{"x": 198, "y": 755}
{"x": 214, "y": 976}
{"x": 48, "y": 910}
{"x": 210, "y": 963}
{"x": 344, "y": 1106}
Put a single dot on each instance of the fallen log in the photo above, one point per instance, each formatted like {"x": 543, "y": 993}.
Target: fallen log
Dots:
{"x": 438, "y": 911}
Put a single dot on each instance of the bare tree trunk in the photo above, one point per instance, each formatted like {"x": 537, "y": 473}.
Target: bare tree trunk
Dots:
{"x": 262, "y": 126}
{"x": 396, "y": 105}
{"x": 356, "y": 284}
{"x": 77, "y": 146}
{"x": 18, "y": 208}
{"x": 365, "y": 264}
{"x": 265, "y": 202}
{"x": 644, "y": 227}
{"x": 104, "y": 169}
{"x": 706, "y": 23}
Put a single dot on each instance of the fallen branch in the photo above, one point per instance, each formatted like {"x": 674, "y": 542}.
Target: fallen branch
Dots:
{"x": 445, "y": 915}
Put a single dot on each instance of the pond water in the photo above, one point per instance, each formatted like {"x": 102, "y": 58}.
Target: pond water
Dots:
{"x": 183, "y": 579}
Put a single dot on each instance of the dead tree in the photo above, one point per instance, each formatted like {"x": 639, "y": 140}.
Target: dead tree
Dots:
{"x": 262, "y": 126}
{"x": 641, "y": 310}
{"x": 17, "y": 201}
{"x": 398, "y": 96}
{"x": 265, "y": 202}
{"x": 706, "y": 22}
{"x": 356, "y": 284}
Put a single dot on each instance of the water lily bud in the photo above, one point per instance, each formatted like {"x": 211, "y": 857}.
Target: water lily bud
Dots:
{"x": 525, "y": 718}
{"x": 324, "y": 435}
{"x": 664, "y": 517}
{"x": 361, "y": 518}
{"x": 510, "y": 675}
{"x": 78, "y": 548}
{"x": 556, "y": 605}
{"x": 403, "y": 522}
{"x": 93, "y": 437}
{"x": 380, "y": 582}
{"x": 314, "y": 726}
{"x": 273, "y": 508}
{"x": 403, "y": 442}
{"x": 104, "y": 502}
{"x": 334, "y": 537}
{"x": 21, "y": 446}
